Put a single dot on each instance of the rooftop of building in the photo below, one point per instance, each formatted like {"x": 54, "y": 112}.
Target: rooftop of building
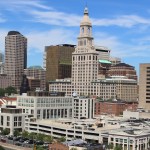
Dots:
{"x": 86, "y": 124}
{"x": 130, "y": 132}
{"x": 104, "y": 61}
{"x": 44, "y": 94}
{"x": 67, "y": 45}
{"x": 102, "y": 48}
{"x": 112, "y": 101}
{"x": 13, "y": 33}
{"x": 35, "y": 67}
{"x": 122, "y": 65}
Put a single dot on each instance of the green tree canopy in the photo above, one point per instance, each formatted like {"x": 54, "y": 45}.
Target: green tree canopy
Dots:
{"x": 62, "y": 139}
{"x": 40, "y": 136}
{"x": 2, "y": 92}
{"x": 32, "y": 135}
{"x": 16, "y": 133}
{"x": 10, "y": 90}
{"x": 118, "y": 147}
{"x": 5, "y": 131}
{"x": 25, "y": 134}
{"x": 48, "y": 138}
{"x": 1, "y": 148}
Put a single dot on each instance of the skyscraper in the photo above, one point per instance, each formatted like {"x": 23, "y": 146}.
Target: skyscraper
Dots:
{"x": 58, "y": 61}
{"x": 85, "y": 58}
{"x": 15, "y": 56}
{"x": 144, "y": 86}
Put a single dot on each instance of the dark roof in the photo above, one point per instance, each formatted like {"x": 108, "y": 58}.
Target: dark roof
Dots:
{"x": 13, "y": 32}
{"x": 122, "y": 65}
{"x": 67, "y": 45}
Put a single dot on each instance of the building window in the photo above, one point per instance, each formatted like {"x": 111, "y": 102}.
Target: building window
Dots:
{"x": 15, "y": 124}
{"x": 82, "y": 30}
{"x": 15, "y": 118}
{"x": 8, "y": 118}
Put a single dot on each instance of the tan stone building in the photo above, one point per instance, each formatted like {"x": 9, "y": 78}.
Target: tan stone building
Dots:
{"x": 15, "y": 57}
{"x": 144, "y": 86}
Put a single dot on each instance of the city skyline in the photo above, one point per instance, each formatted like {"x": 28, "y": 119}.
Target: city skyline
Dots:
{"x": 123, "y": 27}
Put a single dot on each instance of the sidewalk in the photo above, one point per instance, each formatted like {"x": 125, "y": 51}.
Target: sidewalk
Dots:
{"x": 14, "y": 147}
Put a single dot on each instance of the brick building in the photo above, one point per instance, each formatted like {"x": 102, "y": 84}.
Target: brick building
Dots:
{"x": 113, "y": 107}
{"x": 123, "y": 69}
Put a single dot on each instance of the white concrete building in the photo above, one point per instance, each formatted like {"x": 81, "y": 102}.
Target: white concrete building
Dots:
{"x": 44, "y": 107}
{"x": 12, "y": 118}
{"x": 83, "y": 108}
{"x": 134, "y": 138}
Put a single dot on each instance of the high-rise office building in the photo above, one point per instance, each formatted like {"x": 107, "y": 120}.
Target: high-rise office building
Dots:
{"x": 58, "y": 61}
{"x": 15, "y": 57}
{"x": 144, "y": 86}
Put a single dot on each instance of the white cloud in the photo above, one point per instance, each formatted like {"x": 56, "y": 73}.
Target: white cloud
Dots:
{"x": 22, "y": 4}
{"x": 134, "y": 48}
{"x": 56, "y": 18}
{"x": 38, "y": 11}
{"x": 38, "y": 40}
{"x": 123, "y": 21}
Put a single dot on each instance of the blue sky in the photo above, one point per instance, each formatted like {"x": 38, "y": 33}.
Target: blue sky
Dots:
{"x": 121, "y": 25}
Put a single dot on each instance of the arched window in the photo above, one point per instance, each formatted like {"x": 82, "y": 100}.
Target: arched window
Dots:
{"x": 89, "y": 30}
{"x": 82, "y": 30}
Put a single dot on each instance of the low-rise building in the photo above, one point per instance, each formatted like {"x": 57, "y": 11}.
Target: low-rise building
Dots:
{"x": 128, "y": 138}
{"x": 113, "y": 107}
{"x": 12, "y": 118}
{"x": 83, "y": 107}
{"x": 47, "y": 106}
{"x": 109, "y": 107}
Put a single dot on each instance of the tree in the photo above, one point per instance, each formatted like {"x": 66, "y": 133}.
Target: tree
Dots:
{"x": 16, "y": 133}
{"x": 62, "y": 139}
{"x": 118, "y": 147}
{"x": 40, "y": 136}
{"x": 39, "y": 148}
{"x": 32, "y": 135}
{"x": 110, "y": 146}
{"x": 2, "y": 92}
{"x": 25, "y": 134}
{"x": 48, "y": 138}
{"x": 10, "y": 90}
{"x": 5, "y": 131}
{"x": 1, "y": 148}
